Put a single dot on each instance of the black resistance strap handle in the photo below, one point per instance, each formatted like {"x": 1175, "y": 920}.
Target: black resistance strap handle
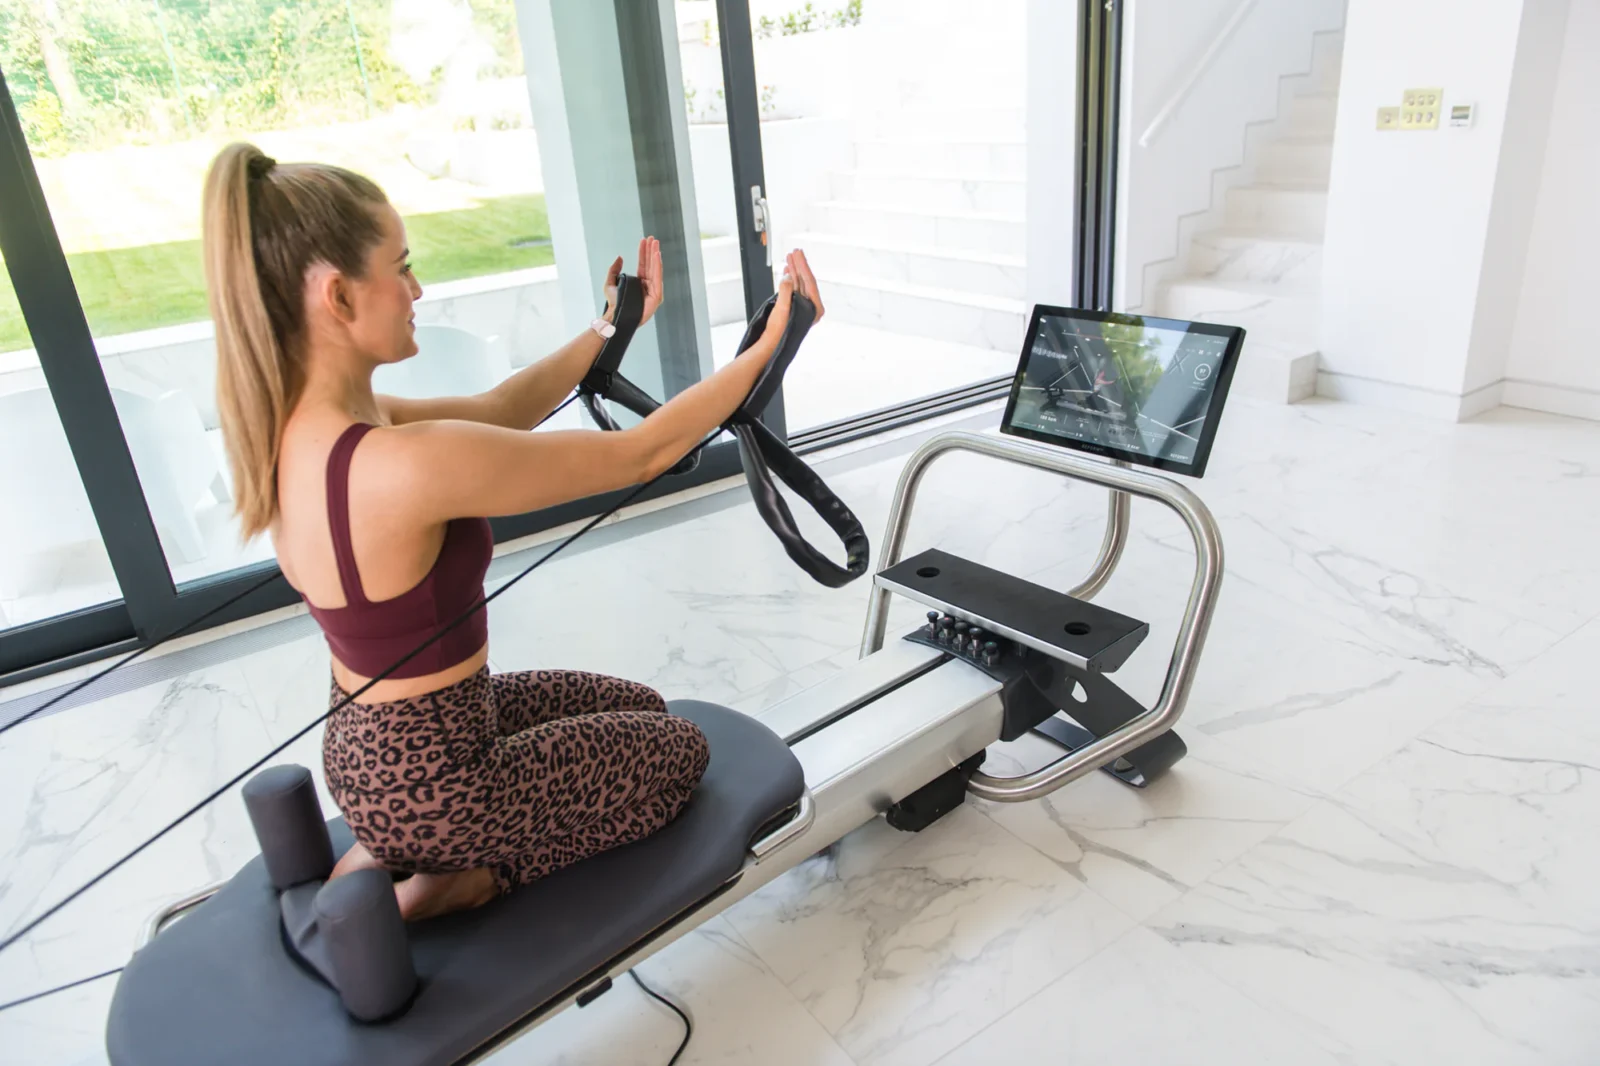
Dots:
{"x": 762, "y": 452}
{"x": 605, "y": 381}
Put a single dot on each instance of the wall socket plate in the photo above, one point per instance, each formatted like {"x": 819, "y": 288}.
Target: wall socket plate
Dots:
{"x": 1419, "y": 109}
{"x": 1388, "y": 118}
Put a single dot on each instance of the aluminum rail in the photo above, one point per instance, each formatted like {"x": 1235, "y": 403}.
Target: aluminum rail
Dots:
{"x": 160, "y": 918}
{"x": 1122, "y": 480}
{"x": 804, "y": 816}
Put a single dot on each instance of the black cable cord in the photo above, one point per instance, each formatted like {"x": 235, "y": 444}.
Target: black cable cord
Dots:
{"x": 126, "y": 659}
{"x": 688, "y": 1026}
{"x": 50, "y": 911}
{"x": 181, "y": 630}
{"x": 59, "y": 988}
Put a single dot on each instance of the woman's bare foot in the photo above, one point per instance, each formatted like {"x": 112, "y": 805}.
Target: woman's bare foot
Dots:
{"x": 357, "y": 858}
{"x": 430, "y": 895}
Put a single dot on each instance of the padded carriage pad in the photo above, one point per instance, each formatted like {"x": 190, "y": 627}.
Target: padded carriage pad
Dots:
{"x": 219, "y": 987}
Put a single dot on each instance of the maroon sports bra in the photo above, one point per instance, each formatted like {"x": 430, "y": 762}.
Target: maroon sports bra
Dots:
{"x": 369, "y": 637}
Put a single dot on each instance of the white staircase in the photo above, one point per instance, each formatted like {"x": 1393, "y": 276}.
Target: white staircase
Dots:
{"x": 924, "y": 234}
{"x": 1261, "y": 267}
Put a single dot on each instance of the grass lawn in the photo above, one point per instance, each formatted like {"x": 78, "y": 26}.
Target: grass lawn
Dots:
{"x": 128, "y": 289}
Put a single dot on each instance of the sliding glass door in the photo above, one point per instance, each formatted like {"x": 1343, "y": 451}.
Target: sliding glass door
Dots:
{"x": 936, "y": 159}
{"x": 527, "y": 144}
{"x": 897, "y": 137}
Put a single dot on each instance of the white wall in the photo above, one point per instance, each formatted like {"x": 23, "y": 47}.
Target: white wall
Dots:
{"x": 1163, "y": 41}
{"x": 1522, "y": 163}
{"x": 1418, "y": 262}
{"x": 1552, "y": 363}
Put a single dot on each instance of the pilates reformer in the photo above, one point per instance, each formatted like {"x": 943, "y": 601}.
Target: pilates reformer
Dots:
{"x": 278, "y": 965}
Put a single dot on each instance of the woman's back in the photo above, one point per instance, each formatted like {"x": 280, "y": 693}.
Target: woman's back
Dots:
{"x": 426, "y": 631}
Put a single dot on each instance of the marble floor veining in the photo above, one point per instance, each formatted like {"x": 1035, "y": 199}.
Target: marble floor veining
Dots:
{"x": 1380, "y": 848}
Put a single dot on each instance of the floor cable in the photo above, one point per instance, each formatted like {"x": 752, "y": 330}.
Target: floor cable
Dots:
{"x": 688, "y": 1026}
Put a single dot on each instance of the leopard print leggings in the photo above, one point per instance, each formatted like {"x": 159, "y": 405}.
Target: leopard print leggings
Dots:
{"x": 521, "y": 772}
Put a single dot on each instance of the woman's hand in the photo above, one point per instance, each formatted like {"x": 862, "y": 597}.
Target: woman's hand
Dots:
{"x": 649, "y": 274}
{"x": 797, "y": 278}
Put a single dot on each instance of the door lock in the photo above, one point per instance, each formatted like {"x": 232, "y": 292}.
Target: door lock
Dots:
{"x": 763, "y": 219}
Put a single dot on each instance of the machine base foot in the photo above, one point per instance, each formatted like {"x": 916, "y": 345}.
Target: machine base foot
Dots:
{"x": 935, "y": 799}
{"x": 1138, "y": 768}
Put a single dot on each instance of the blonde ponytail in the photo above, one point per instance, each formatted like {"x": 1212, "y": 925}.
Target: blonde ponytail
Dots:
{"x": 263, "y": 227}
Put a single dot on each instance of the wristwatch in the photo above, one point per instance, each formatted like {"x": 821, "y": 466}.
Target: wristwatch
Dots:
{"x": 604, "y": 328}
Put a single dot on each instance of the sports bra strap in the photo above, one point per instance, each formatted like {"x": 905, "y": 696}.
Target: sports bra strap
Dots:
{"x": 344, "y": 553}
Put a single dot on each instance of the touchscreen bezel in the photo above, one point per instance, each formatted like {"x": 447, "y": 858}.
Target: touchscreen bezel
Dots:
{"x": 1219, "y": 392}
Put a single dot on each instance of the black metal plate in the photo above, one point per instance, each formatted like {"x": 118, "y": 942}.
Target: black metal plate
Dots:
{"x": 1075, "y": 631}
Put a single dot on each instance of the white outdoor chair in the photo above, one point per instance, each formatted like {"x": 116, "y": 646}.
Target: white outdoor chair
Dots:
{"x": 449, "y": 362}
{"x": 176, "y": 466}
{"x": 44, "y": 506}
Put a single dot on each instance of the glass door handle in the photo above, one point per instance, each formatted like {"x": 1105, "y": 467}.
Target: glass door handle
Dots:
{"x": 763, "y": 219}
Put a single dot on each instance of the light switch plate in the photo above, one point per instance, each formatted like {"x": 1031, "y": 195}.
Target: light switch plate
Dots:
{"x": 1419, "y": 109}
{"x": 1388, "y": 118}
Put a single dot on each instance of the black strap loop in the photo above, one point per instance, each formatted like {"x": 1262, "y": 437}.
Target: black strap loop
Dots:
{"x": 762, "y": 452}
{"x": 605, "y": 381}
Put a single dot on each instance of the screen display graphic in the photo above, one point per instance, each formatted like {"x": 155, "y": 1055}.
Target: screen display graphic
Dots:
{"x": 1148, "y": 390}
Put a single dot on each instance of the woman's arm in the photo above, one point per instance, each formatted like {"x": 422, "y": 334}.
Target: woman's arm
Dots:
{"x": 525, "y": 398}
{"x": 455, "y": 469}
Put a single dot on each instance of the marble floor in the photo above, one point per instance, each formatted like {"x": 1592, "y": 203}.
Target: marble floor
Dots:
{"x": 1380, "y": 849}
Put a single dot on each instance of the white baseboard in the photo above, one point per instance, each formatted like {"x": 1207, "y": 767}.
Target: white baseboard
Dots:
{"x": 1481, "y": 399}
{"x": 1571, "y": 401}
{"x": 1552, "y": 399}
{"x": 1431, "y": 403}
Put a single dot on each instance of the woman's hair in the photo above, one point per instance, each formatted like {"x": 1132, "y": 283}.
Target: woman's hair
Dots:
{"x": 264, "y": 227}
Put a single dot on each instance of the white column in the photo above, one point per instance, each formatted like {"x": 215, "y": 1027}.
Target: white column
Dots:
{"x": 1427, "y": 232}
{"x": 592, "y": 148}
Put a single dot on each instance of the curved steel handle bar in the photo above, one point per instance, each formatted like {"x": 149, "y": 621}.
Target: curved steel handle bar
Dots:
{"x": 161, "y": 917}
{"x": 905, "y": 497}
{"x": 804, "y": 816}
{"x": 1123, "y": 481}
{"x": 1111, "y": 545}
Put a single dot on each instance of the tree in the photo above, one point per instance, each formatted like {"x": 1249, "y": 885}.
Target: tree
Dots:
{"x": 50, "y": 29}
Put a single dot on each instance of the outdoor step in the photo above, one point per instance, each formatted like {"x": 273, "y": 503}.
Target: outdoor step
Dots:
{"x": 987, "y": 274}
{"x": 1295, "y": 160}
{"x": 957, "y": 123}
{"x": 1005, "y": 158}
{"x": 720, "y": 255}
{"x": 725, "y": 297}
{"x": 945, "y": 230}
{"x": 1312, "y": 114}
{"x": 1227, "y": 255}
{"x": 991, "y": 87}
{"x": 926, "y": 311}
{"x": 1271, "y": 315}
{"x": 933, "y": 192}
{"x": 1288, "y": 210}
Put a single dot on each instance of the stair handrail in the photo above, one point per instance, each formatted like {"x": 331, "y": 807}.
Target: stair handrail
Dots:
{"x": 1207, "y": 57}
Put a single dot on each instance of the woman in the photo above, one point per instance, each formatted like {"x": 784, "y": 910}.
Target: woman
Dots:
{"x": 471, "y": 783}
